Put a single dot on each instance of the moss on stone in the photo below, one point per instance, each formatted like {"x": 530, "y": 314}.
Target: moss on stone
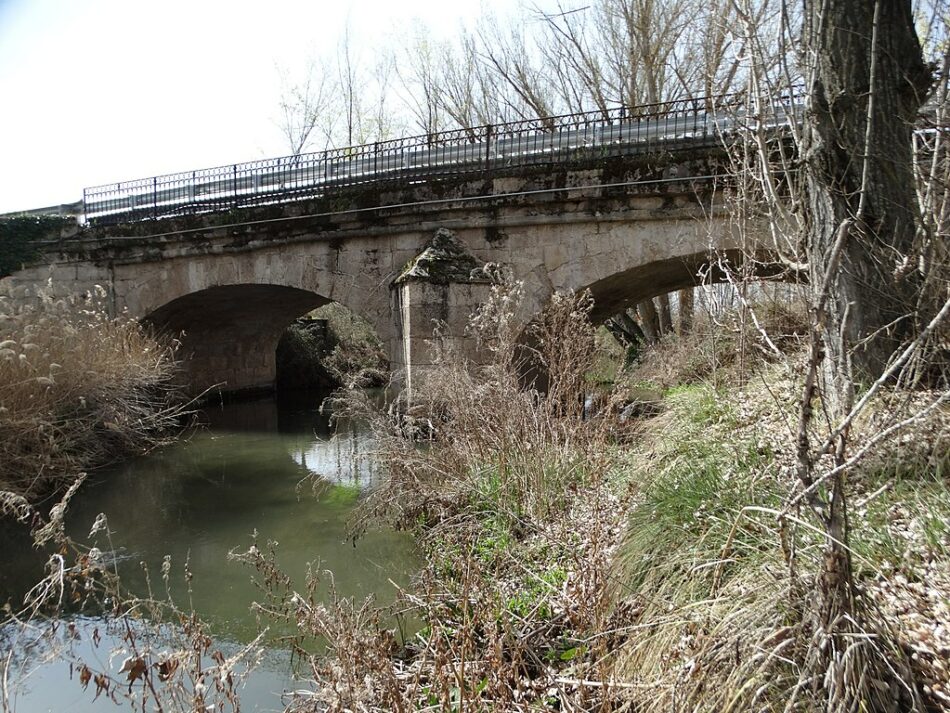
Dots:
{"x": 445, "y": 259}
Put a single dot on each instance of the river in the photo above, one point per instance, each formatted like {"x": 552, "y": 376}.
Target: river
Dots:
{"x": 257, "y": 467}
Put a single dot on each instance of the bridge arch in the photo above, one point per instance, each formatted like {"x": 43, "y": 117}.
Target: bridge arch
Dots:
{"x": 229, "y": 333}
{"x": 626, "y": 287}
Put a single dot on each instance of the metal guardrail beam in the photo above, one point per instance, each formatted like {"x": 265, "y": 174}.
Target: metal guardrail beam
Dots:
{"x": 676, "y": 125}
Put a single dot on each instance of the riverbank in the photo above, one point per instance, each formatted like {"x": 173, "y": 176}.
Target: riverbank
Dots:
{"x": 662, "y": 561}
{"x": 648, "y": 548}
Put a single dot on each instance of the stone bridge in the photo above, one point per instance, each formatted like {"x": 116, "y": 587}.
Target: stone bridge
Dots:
{"x": 229, "y": 285}
{"x": 225, "y": 259}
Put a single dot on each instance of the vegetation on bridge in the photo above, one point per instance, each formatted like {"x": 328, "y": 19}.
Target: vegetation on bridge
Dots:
{"x": 20, "y": 238}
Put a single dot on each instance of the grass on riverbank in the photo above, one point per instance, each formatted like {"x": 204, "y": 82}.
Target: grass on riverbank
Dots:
{"x": 723, "y": 574}
{"x": 77, "y": 388}
{"x": 583, "y": 564}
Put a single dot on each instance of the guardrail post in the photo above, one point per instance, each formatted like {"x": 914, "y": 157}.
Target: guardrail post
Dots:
{"x": 488, "y": 133}
{"x": 155, "y": 197}
{"x": 234, "y": 185}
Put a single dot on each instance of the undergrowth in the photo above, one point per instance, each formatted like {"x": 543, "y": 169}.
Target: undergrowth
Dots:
{"x": 510, "y": 495}
{"x": 580, "y": 558}
{"x": 721, "y": 570}
{"x": 356, "y": 357}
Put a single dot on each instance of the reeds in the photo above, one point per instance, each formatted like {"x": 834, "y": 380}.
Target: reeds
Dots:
{"x": 78, "y": 388}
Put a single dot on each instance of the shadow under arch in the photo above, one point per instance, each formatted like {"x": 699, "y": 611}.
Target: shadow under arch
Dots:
{"x": 229, "y": 333}
{"x": 625, "y": 288}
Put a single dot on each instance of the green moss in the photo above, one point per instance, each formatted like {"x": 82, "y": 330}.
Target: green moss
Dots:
{"x": 445, "y": 259}
{"x": 343, "y": 495}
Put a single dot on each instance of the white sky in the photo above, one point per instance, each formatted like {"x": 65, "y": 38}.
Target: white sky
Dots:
{"x": 97, "y": 91}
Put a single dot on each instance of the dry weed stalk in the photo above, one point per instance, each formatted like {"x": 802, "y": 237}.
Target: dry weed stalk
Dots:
{"x": 511, "y": 499}
{"x": 146, "y": 651}
{"x": 77, "y": 388}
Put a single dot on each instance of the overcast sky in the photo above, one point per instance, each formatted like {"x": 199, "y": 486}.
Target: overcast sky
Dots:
{"x": 97, "y": 91}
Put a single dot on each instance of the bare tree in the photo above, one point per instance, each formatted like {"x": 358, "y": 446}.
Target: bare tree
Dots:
{"x": 512, "y": 57}
{"x": 420, "y": 74}
{"x": 846, "y": 201}
{"x": 866, "y": 80}
{"x": 304, "y": 107}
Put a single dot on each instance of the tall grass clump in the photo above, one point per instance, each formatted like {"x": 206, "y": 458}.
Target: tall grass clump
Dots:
{"x": 721, "y": 566}
{"x": 78, "y": 388}
{"x": 508, "y": 488}
{"x": 495, "y": 441}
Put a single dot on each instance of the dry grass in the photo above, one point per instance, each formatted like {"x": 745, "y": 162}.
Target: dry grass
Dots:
{"x": 568, "y": 569}
{"x": 726, "y": 345}
{"x": 512, "y": 501}
{"x": 723, "y": 577}
{"x": 77, "y": 388}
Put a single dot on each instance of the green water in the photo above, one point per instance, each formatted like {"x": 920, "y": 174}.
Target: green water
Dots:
{"x": 255, "y": 468}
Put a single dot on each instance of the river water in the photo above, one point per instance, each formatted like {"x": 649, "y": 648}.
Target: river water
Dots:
{"x": 257, "y": 468}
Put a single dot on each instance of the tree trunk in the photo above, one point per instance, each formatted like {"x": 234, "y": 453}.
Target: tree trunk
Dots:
{"x": 625, "y": 330}
{"x": 649, "y": 321}
{"x": 858, "y": 160}
{"x": 866, "y": 81}
{"x": 666, "y": 317}
{"x": 685, "y": 299}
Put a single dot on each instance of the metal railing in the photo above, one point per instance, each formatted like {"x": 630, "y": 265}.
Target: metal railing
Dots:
{"x": 669, "y": 126}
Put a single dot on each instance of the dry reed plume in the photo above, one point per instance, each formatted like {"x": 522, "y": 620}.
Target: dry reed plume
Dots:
{"x": 77, "y": 388}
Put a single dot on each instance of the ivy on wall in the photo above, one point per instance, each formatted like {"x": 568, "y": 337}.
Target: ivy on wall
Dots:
{"x": 20, "y": 238}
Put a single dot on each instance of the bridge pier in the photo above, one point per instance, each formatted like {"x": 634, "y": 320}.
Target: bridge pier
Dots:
{"x": 433, "y": 299}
